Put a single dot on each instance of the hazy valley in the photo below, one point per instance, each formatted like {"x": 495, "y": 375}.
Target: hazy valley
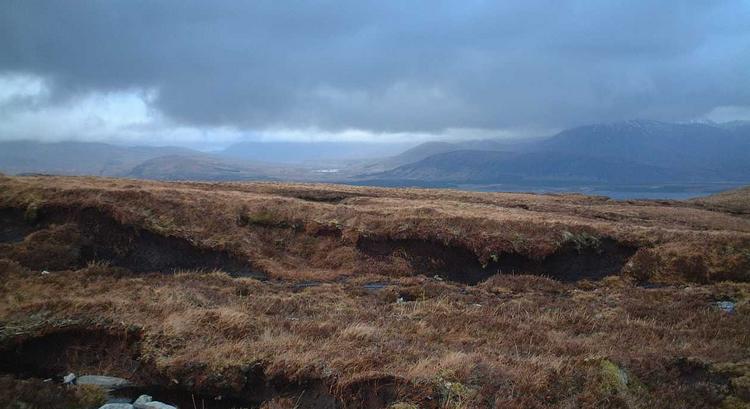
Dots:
{"x": 643, "y": 157}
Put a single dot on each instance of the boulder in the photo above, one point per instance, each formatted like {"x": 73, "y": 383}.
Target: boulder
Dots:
{"x": 105, "y": 382}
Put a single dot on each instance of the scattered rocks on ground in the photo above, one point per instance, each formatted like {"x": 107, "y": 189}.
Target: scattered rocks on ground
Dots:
{"x": 143, "y": 402}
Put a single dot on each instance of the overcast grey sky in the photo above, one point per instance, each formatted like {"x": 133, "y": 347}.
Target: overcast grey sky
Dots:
{"x": 210, "y": 72}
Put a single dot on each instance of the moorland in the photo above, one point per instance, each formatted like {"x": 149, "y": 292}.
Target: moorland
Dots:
{"x": 282, "y": 295}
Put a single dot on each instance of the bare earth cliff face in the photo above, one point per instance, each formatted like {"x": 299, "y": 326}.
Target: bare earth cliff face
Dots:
{"x": 284, "y": 295}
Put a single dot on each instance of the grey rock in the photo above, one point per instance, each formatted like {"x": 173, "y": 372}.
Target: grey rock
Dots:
{"x": 141, "y": 402}
{"x": 106, "y": 382}
{"x": 157, "y": 405}
{"x": 726, "y": 306}
{"x": 117, "y": 406}
{"x": 69, "y": 378}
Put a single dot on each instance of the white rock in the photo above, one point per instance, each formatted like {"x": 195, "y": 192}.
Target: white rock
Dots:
{"x": 45, "y": 272}
{"x": 117, "y": 406}
{"x": 69, "y": 378}
{"x": 141, "y": 402}
{"x": 726, "y": 306}
{"x": 157, "y": 405}
{"x": 106, "y": 382}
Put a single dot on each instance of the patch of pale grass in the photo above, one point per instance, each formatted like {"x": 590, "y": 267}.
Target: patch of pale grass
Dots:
{"x": 362, "y": 331}
{"x": 451, "y": 365}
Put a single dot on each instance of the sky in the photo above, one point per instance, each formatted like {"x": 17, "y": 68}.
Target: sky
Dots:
{"x": 209, "y": 73}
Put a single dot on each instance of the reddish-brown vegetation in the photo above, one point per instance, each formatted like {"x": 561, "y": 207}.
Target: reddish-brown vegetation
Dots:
{"x": 321, "y": 296}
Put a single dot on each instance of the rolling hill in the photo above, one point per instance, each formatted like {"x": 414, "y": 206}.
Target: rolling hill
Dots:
{"x": 302, "y": 152}
{"x": 721, "y": 148}
{"x": 177, "y": 167}
{"x": 78, "y": 158}
{"x": 469, "y": 166}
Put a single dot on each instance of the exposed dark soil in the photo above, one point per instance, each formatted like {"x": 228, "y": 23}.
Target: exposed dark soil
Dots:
{"x": 77, "y": 350}
{"x": 91, "y": 235}
{"x": 704, "y": 383}
{"x": 378, "y": 392}
{"x": 321, "y": 196}
{"x": 104, "y": 352}
{"x": 328, "y": 231}
{"x": 313, "y": 395}
{"x": 572, "y": 264}
{"x": 13, "y": 225}
{"x": 35, "y": 393}
{"x": 461, "y": 265}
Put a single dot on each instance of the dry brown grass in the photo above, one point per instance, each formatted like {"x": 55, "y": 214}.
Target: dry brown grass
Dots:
{"x": 734, "y": 201}
{"x": 294, "y": 238}
{"x": 512, "y": 341}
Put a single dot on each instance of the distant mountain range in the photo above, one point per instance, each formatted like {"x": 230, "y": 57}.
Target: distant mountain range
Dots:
{"x": 632, "y": 152}
{"x": 141, "y": 162}
{"x": 623, "y": 153}
{"x": 77, "y": 158}
{"x": 196, "y": 167}
{"x": 720, "y": 148}
{"x": 486, "y": 167}
{"x": 428, "y": 149}
{"x": 312, "y": 152}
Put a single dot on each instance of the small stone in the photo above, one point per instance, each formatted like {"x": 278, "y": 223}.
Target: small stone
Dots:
{"x": 726, "y": 306}
{"x": 141, "y": 402}
{"x": 45, "y": 272}
{"x": 69, "y": 379}
{"x": 157, "y": 405}
{"x": 106, "y": 382}
{"x": 117, "y": 406}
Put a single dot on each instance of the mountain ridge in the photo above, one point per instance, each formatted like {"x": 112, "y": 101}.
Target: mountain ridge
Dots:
{"x": 628, "y": 152}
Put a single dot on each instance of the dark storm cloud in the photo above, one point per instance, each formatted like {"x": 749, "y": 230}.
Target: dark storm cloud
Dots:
{"x": 391, "y": 66}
